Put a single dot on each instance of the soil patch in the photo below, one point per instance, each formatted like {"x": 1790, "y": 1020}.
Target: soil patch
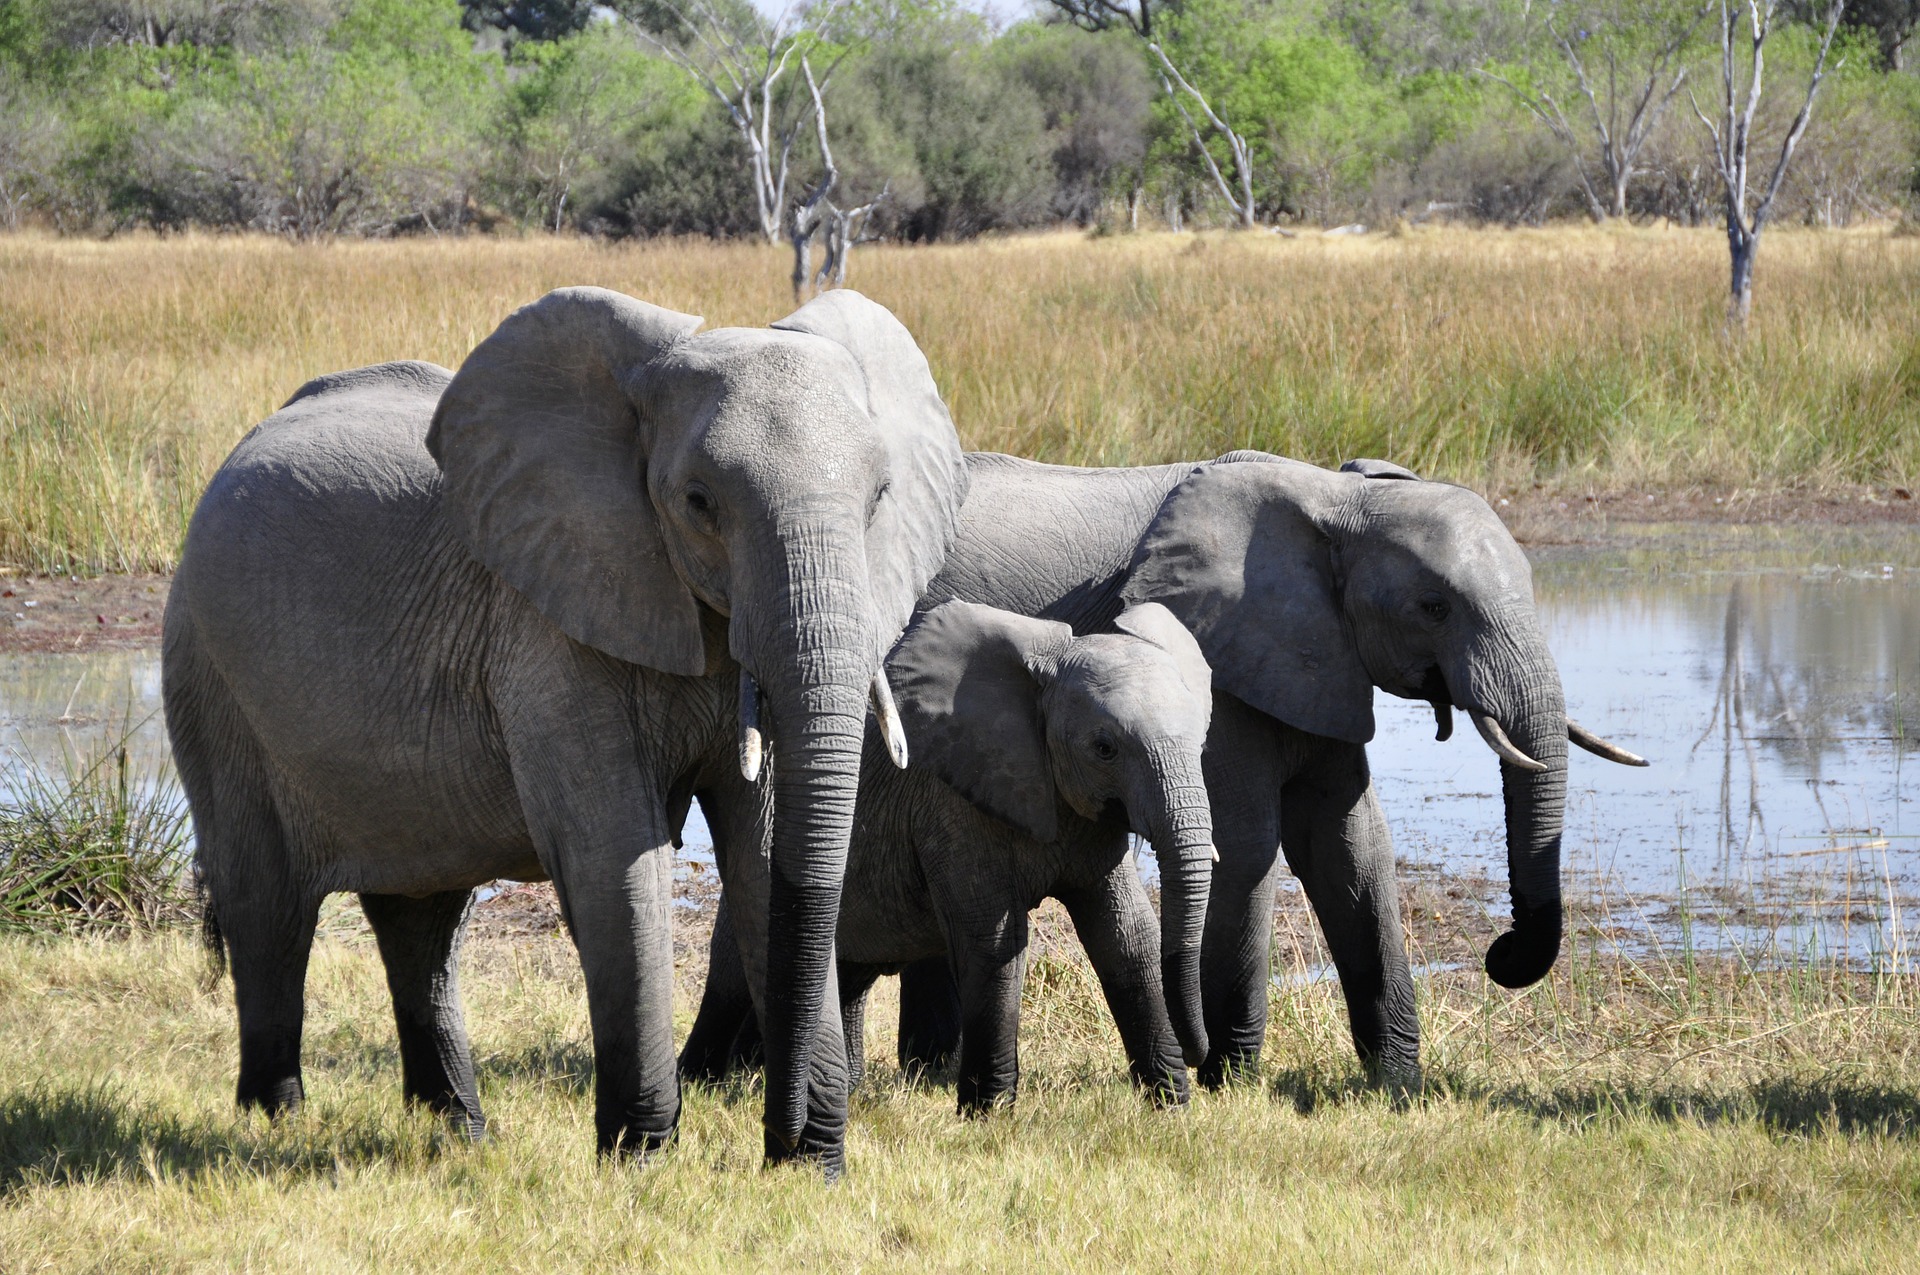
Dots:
{"x": 69, "y": 614}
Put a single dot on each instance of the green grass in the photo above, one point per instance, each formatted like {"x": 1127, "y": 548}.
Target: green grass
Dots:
{"x": 1577, "y": 357}
{"x": 1621, "y": 1116}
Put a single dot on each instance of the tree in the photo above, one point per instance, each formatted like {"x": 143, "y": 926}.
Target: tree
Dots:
{"x": 1732, "y": 135}
{"x": 740, "y": 59}
{"x": 1138, "y": 16}
{"x": 1635, "y": 51}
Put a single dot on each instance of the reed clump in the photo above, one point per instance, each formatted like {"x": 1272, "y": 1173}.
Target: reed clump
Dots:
{"x": 98, "y": 846}
{"x": 1574, "y": 357}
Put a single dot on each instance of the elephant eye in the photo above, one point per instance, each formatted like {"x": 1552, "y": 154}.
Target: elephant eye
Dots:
{"x": 701, "y": 506}
{"x": 1104, "y": 749}
{"x": 873, "y": 506}
{"x": 1435, "y": 607}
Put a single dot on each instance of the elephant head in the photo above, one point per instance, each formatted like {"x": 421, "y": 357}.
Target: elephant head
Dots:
{"x": 622, "y": 470}
{"x": 1017, "y": 715}
{"x": 1308, "y": 588}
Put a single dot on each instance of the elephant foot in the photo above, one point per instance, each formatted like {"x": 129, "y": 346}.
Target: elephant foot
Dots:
{"x": 1402, "y": 1079}
{"x": 635, "y": 1144}
{"x": 1230, "y": 1068}
{"x": 1168, "y": 1092}
{"x": 466, "y": 1123}
{"x": 828, "y": 1156}
{"x": 270, "y": 1073}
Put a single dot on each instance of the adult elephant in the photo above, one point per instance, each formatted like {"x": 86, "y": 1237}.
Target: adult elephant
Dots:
{"x": 430, "y": 631}
{"x": 1305, "y": 589}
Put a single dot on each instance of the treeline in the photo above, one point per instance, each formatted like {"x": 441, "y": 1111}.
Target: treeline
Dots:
{"x": 321, "y": 117}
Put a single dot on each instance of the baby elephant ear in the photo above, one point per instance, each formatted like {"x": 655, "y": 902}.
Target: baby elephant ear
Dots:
{"x": 1151, "y": 622}
{"x": 964, "y": 678}
{"x": 545, "y": 472}
{"x": 1377, "y": 469}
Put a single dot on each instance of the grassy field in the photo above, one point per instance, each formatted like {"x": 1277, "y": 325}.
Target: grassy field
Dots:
{"x": 1620, "y": 1117}
{"x": 1576, "y": 357}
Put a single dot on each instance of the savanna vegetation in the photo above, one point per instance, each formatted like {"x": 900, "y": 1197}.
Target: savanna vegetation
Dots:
{"x": 321, "y": 117}
{"x": 1582, "y": 359}
{"x": 1645, "y": 1113}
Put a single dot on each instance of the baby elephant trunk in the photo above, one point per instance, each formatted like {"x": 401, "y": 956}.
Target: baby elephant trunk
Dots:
{"x": 1181, "y": 830}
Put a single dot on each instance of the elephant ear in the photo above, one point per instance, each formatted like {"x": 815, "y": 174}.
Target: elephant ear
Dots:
{"x": 1237, "y": 555}
{"x": 914, "y": 523}
{"x": 966, "y": 680}
{"x": 545, "y": 473}
{"x": 1151, "y": 622}
{"x": 1377, "y": 469}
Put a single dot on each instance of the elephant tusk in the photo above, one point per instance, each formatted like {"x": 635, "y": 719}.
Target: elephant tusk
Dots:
{"x": 1600, "y": 747}
{"x": 1442, "y": 721}
{"x": 889, "y": 718}
{"x": 1497, "y": 740}
{"x": 753, "y": 745}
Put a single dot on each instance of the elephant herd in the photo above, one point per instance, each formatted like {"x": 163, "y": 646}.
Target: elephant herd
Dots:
{"x": 432, "y": 629}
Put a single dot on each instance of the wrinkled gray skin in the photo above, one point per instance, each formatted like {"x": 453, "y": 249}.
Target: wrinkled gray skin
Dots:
{"x": 427, "y": 633}
{"x": 1305, "y": 589}
{"x": 1034, "y": 753}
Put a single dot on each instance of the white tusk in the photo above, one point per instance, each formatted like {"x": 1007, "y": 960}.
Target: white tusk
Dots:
{"x": 889, "y": 718}
{"x": 1497, "y": 740}
{"x": 753, "y": 745}
{"x": 1600, "y": 747}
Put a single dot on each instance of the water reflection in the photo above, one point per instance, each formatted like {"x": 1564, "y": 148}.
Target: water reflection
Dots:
{"x": 1764, "y": 675}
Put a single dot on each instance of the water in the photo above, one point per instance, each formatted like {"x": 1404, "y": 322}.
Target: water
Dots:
{"x": 1772, "y": 676}
{"x": 1773, "y": 679}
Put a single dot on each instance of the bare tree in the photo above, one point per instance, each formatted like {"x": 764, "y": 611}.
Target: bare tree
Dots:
{"x": 1642, "y": 90}
{"x": 808, "y": 213}
{"x": 844, "y": 228}
{"x": 741, "y": 71}
{"x": 1733, "y": 134}
{"x": 1137, "y": 16}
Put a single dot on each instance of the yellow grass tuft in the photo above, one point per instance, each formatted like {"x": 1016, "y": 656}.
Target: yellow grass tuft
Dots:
{"x": 1572, "y": 356}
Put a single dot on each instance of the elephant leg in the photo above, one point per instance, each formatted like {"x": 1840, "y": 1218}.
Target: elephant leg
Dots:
{"x": 929, "y": 1016}
{"x": 712, "y": 1051}
{"x": 739, "y": 814}
{"x": 1243, "y": 772}
{"x": 268, "y": 943}
{"x": 1118, "y": 929}
{"x": 420, "y": 945}
{"x": 1337, "y": 842}
{"x": 856, "y": 981}
{"x": 260, "y": 910}
{"x": 990, "y": 972}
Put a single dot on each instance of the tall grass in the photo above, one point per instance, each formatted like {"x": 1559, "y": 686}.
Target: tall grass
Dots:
{"x": 1574, "y": 357}
{"x": 97, "y": 846}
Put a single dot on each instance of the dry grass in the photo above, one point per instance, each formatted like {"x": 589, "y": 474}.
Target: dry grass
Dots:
{"x": 1573, "y": 356}
{"x": 1620, "y": 1116}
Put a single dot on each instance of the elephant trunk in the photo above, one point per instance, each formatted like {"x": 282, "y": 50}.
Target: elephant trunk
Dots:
{"x": 815, "y": 655}
{"x": 1180, "y": 827}
{"x": 1520, "y": 695}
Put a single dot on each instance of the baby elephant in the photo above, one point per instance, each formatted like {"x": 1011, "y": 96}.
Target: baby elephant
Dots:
{"x": 1033, "y": 754}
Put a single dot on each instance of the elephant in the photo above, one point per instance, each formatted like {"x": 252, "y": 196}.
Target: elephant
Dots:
{"x": 1035, "y": 752}
{"x": 1305, "y": 588}
{"x": 430, "y": 629}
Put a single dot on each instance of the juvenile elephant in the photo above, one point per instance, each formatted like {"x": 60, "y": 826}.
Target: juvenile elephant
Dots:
{"x": 431, "y": 630}
{"x": 1305, "y": 589}
{"x": 1035, "y": 752}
